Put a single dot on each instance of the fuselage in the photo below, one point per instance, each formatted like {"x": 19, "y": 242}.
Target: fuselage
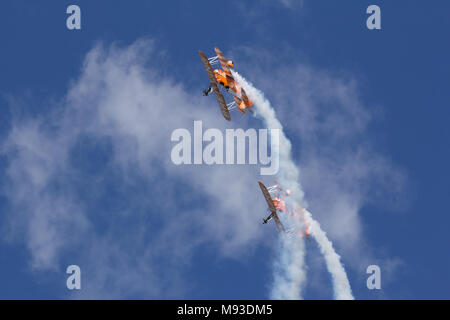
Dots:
{"x": 231, "y": 84}
{"x": 223, "y": 80}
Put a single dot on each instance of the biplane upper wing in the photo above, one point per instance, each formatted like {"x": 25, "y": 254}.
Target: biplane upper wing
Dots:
{"x": 223, "y": 62}
{"x": 212, "y": 79}
{"x": 268, "y": 197}
{"x": 271, "y": 206}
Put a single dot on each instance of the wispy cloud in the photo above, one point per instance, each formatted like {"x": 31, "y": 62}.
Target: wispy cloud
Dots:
{"x": 91, "y": 182}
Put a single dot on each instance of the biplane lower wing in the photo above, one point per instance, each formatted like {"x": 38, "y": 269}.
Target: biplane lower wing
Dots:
{"x": 271, "y": 206}
{"x": 212, "y": 80}
{"x": 238, "y": 102}
{"x": 244, "y": 97}
{"x": 268, "y": 197}
{"x": 221, "y": 101}
{"x": 247, "y": 102}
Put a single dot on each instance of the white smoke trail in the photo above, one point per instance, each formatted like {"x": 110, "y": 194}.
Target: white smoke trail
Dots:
{"x": 291, "y": 267}
{"x": 289, "y": 273}
{"x": 342, "y": 290}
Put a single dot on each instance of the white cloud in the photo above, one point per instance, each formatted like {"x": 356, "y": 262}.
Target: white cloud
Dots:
{"x": 140, "y": 249}
{"x": 120, "y": 97}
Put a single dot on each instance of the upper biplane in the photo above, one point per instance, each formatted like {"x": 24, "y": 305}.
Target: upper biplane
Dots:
{"x": 273, "y": 210}
{"x": 225, "y": 78}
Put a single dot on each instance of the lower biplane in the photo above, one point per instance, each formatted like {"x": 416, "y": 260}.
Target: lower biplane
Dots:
{"x": 272, "y": 208}
{"x": 277, "y": 204}
{"x": 225, "y": 79}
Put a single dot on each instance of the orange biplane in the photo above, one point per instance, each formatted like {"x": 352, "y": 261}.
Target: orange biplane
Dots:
{"x": 273, "y": 209}
{"x": 225, "y": 79}
{"x": 277, "y": 204}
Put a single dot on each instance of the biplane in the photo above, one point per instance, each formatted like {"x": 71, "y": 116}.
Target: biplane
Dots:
{"x": 273, "y": 210}
{"x": 225, "y": 78}
{"x": 277, "y": 204}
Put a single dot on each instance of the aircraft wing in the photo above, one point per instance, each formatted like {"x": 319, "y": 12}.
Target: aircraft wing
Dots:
{"x": 280, "y": 226}
{"x": 272, "y": 208}
{"x": 223, "y": 62}
{"x": 237, "y": 101}
{"x": 247, "y": 102}
{"x": 268, "y": 197}
{"x": 212, "y": 79}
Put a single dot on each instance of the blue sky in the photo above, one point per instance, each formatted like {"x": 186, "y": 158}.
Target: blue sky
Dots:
{"x": 84, "y": 143}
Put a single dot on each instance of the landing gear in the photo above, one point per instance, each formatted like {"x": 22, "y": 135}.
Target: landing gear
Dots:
{"x": 207, "y": 91}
